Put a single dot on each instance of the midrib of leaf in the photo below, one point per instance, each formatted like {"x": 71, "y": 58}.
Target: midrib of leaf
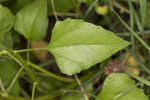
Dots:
{"x": 88, "y": 44}
{"x": 80, "y": 63}
{"x": 70, "y": 32}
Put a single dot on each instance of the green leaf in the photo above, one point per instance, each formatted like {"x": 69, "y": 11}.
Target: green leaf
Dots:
{"x": 8, "y": 70}
{"x": 73, "y": 96}
{"x": 6, "y": 23}
{"x": 19, "y": 4}
{"x": 32, "y": 20}
{"x": 78, "y": 45}
{"x": 6, "y": 20}
{"x": 61, "y": 5}
{"x": 119, "y": 86}
{"x": 7, "y": 37}
{"x": 48, "y": 84}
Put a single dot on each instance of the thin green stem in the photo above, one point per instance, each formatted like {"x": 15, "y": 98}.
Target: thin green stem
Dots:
{"x": 28, "y": 50}
{"x": 90, "y": 8}
{"x": 131, "y": 30}
{"x": 67, "y": 14}
{"x": 125, "y": 91}
{"x": 46, "y": 63}
{"x": 81, "y": 87}
{"x": 76, "y": 6}
{"x": 82, "y": 79}
{"x": 54, "y": 10}
{"x": 2, "y": 86}
{"x": 20, "y": 61}
{"x": 17, "y": 58}
{"x": 14, "y": 79}
{"x": 36, "y": 66}
{"x": 132, "y": 23}
{"x": 33, "y": 90}
{"x": 28, "y": 53}
{"x": 3, "y": 52}
{"x": 120, "y": 7}
{"x": 49, "y": 73}
{"x": 142, "y": 80}
{"x": 23, "y": 50}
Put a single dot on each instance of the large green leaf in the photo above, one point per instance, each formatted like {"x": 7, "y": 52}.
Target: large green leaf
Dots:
{"x": 8, "y": 70}
{"x": 32, "y": 20}
{"x": 78, "y": 45}
{"x": 6, "y": 21}
{"x": 119, "y": 86}
{"x": 61, "y": 5}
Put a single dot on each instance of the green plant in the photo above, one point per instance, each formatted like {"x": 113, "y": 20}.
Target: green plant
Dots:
{"x": 76, "y": 45}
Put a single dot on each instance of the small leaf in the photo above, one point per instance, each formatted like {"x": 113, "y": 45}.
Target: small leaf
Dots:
{"x": 119, "y": 86}
{"x": 78, "y": 45}
{"x": 6, "y": 21}
{"x": 8, "y": 70}
{"x": 32, "y": 20}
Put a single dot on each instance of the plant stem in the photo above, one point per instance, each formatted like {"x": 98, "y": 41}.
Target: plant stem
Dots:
{"x": 76, "y": 6}
{"x": 90, "y": 8}
{"x": 124, "y": 92}
{"x": 28, "y": 50}
{"x": 14, "y": 79}
{"x": 49, "y": 73}
{"x": 142, "y": 80}
{"x": 67, "y": 14}
{"x": 138, "y": 37}
{"x": 34, "y": 65}
{"x": 54, "y": 10}
{"x": 127, "y": 90}
{"x": 20, "y": 61}
{"x": 33, "y": 90}
{"x": 23, "y": 50}
{"x": 81, "y": 87}
{"x": 28, "y": 53}
{"x": 122, "y": 9}
{"x": 2, "y": 86}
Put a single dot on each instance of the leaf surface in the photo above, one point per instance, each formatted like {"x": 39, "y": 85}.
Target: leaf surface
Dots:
{"x": 78, "y": 45}
{"x": 119, "y": 86}
{"x": 73, "y": 96}
{"x": 8, "y": 70}
{"x": 6, "y": 21}
{"x": 32, "y": 20}
{"x": 61, "y": 5}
